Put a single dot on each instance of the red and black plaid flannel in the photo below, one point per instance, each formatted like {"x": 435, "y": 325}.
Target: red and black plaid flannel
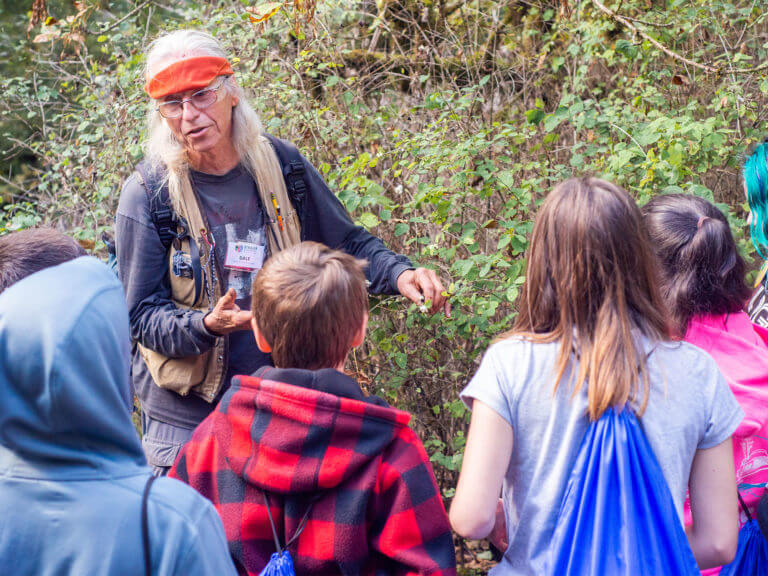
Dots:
{"x": 376, "y": 506}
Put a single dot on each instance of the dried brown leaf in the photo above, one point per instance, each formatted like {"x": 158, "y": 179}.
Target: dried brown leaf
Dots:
{"x": 46, "y": 36}
{"x": 39, "y": 14}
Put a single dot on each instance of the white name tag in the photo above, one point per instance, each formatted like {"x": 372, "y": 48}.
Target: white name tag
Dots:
{"x": 244, "y": 256}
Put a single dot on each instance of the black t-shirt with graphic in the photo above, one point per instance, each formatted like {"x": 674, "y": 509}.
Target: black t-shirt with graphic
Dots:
{"x": 234, "y": 213}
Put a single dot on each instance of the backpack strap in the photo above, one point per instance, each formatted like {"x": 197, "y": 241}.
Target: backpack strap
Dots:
{"x": 744, "y": 506}
{"x": 762, "y": 514}
{"x": 145, "y": 526}
{"x": 294, "y": 172}
{"x": 163, "y": 216}
{"x": 167, "y": 222}
{"x": 165, "y": 219}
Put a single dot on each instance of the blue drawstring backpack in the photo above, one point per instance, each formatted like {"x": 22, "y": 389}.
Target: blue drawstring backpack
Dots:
{"x": 618, "y": 517}
{"x": 752, "y": 554}
{"x": 281, "y": 563}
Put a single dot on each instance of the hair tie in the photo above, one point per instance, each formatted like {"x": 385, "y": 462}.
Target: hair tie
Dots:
{"x": 701, "y": 221}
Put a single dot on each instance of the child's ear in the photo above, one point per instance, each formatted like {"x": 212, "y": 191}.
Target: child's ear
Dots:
{"x": 360, "y": 334}
{"x": 261, "y": 342}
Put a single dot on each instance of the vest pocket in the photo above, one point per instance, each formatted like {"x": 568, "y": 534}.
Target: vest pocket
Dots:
{"x": 177, "y": 374}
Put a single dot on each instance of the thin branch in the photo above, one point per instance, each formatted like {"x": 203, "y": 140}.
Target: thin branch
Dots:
{"x": 25, "y": 146}
{"x": 669, "y": 52}
{"x": 646, "y": 23}
{"x": 652, "y": 40}
{"x": 746, "y": 24}
{"x": 730, "y": 66}
{"x": 124, "y": 18}
{"x": 490, "y": 44}
{"x": 146, "y": 27}
{"x": 628, "y": 135}
{"x": 13, "y": 184}
{"x": 40, "y": 105}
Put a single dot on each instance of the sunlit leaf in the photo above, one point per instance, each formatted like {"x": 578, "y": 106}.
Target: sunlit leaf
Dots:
{"x": 263, "y": 12}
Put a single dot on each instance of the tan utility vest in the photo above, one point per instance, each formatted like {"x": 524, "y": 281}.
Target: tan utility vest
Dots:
{"x": 203, "y": 375}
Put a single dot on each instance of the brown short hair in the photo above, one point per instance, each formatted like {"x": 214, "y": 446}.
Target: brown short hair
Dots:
{"x": 309, "y": 302}
{"x": 25, "y": 252}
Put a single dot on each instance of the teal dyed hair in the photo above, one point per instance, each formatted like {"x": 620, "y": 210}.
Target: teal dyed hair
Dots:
{"x": 756, "y": 179}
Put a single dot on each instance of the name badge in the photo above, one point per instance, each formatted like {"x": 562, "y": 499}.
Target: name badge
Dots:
{"x": 244, "y": 256}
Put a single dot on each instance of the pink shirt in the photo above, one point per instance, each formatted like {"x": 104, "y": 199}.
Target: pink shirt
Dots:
{"x": 740, "y": 350}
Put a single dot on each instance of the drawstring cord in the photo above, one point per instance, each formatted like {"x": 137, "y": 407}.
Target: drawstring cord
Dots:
{"x": 299, "y": 528}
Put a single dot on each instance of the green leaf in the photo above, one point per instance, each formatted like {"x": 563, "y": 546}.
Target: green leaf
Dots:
{"x": 626, "y": 48}
{"x": 368, "y": 220}
{"x": 647, "y": 135}
{"x": 552, "y": 121}
{"x": 534, "y": 116}
{"x": 675, "y": 154}
{"x": 702, "y": 191}
{"x": 463, "y": 267}
{"x": 401, "y": 228}
{"x": 506, "y": 178}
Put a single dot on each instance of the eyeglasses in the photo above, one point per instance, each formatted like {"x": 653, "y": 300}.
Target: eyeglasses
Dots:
{"x": 200, "y": 100}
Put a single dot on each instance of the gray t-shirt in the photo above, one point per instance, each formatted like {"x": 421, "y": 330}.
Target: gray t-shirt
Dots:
{"x": 690, "y": 407}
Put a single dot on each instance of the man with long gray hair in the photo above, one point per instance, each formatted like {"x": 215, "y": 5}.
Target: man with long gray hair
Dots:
{"x": 213, "y": 198}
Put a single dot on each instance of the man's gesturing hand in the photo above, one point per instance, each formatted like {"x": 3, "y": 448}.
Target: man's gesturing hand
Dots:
{"x": 227, "y": 316}
{"x": 421, "y": 285}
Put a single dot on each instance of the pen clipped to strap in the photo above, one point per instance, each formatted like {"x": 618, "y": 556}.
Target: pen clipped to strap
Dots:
{"x": 277, "y": 211}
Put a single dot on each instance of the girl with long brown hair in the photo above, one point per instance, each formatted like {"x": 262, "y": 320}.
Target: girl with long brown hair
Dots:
{"x": 591, "y": 335}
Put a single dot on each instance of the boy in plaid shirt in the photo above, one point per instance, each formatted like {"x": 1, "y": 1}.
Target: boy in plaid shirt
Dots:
{"x": 297, "y": 454}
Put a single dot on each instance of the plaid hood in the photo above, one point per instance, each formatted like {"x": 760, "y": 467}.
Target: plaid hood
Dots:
{"x": 311, "y": 430}
{"x": 303, "y": 443}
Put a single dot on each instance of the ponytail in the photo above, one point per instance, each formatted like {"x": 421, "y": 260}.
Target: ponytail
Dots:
{"x": 701, "y": 270}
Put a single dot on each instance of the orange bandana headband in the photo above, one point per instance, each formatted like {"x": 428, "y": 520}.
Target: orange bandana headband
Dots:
{"x": 187, "y": 74}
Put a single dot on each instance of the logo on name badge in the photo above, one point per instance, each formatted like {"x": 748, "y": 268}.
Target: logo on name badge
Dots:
{"x": 245, "y": 256}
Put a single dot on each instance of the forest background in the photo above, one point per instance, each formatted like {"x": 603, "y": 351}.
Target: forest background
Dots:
{"x": 440, "y": 124}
